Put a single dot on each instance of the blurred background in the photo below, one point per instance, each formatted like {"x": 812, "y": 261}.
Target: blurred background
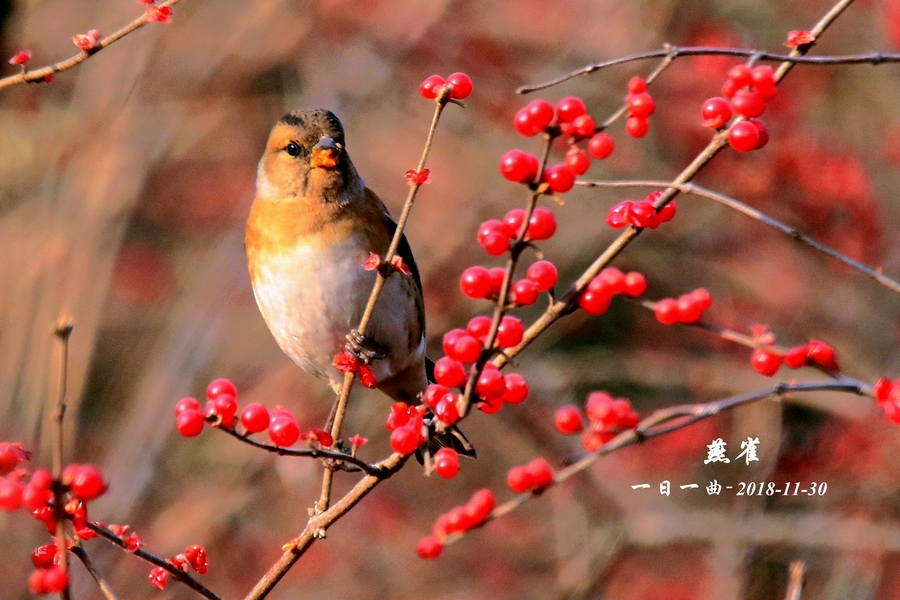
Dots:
{"x": 124, "y": 186}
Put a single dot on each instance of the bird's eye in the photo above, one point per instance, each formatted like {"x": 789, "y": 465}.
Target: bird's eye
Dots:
{"x": 293, "y": 149}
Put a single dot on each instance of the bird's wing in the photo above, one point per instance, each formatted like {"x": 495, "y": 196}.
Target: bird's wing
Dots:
{"x": 403, "y": 250}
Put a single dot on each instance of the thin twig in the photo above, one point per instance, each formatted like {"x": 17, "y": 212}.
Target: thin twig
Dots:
{"x": 791, "y": 232}
{"x": 153, "y": 559}
{"x": 37, "y": 75}
{"x": 795, "y": 582}
{"x": 105, "y": 589}
{"x": 63, "y": 331}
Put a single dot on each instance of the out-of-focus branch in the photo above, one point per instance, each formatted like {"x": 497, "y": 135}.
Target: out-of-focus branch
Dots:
{"x": 795, "y": 583}
{"x": 38, "y": 75}
{"x": 62, "y": 330}
{"x": 105, "y": 589}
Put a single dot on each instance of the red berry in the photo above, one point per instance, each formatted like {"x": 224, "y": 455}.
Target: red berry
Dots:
{"x": 513, "y": 221}
{"x": 85, "y": 481}
{"x": 13, "y": 454}
{"x": 255, "y": 417}
{"x": 583, "y": 126}
{"x": 570, "y": 108}
{"x": 637, "y": 85}
{"x": 519, "y": 480}
{"x": 42, "y": 557}
{"x": 702, "y": 297}
{"x": 449, "y": 340}
{"x": 405, "y": 440}
{"x": 601, "y": 145}
{"x": 479, "y": 327}
{"x": 716, "y": 112}
{"x": 534, "y": 118}
{"x": 765, "y": 362}
{"x": 491, "y": 385}
{"x": 689, "y": 310}
{"x": 497, "y": 275}
{"x": 594, "y": 302}
{"x": 446, "y": 463}
{"x": 763, "y": 132}
{"x": 541, "y": 473}
{"x": 578, "y": 161}
{"x": 225, "y": 406}
{"x": 741, "y": 76}
{"x": 433, "y": 395}
{"x": 795, "y": 358}
{"x": 636, "y": 127}
{"x": 634, "y": 284}
{"x": 283, "y": 431}
{"x": 892, "y": 411}
{"x": 190, "y": 423}
{"x": 568, "y": 420}
{"x": 495, "y": 243}
{"x": 519, "y": 166}
{"x": 475, "y": 282}
{"x": 611, "y": 280}
{"x": 744, "y": 136}
{"x": 466, "y": 349}
{"x": 449, "y": 373}
{"x": 524, "y": 292}
{"x": 158, "y": 577}
{"x": 480, "y": 505}
{"x": 640, "y": 105}
{"x": 430, "y": 87}
{"x": 447, "y": 409}
{"x": 510, "y": 332}
{"x": 429, "y": 547}
{"x": 748, "y": 104}
{"x": 187, "y": 404}
{"x": 544, "y": 274}
{"x": 55, "y": 580}
{"x": 729, "y": 88}
{"x": 763, "y": 78}
{"x": 461, "y": 86}
{"x": 516, "y": 388}
{"x": 217, "y": 387}
{"x": 490, "y": 406}
{"x": 398, "y": 415}
{"x": 10, "y": 494}
{"x": 666, "y": 311}
{"x": 542, "y": 224}
{"x": 197, "y": 558}
{"x": 823, "y": 354}
{"x": 882, "y": 389}
{"x": 559, "y": 178}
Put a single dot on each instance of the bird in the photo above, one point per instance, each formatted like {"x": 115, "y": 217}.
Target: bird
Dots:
{"x": 312, "y": 226}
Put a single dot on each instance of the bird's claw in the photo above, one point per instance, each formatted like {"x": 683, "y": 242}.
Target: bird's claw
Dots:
{"x": 362, "y": 348}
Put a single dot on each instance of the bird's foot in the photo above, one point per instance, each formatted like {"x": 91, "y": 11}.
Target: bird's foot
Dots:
{"x": 363, "y": 349}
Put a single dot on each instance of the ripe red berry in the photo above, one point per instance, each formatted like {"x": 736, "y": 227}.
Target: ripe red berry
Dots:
{"x": 892, "y": 411}
{"x": 637, "y": 85}
{"x": 519, "y": 166}
{"x": 578, "y": 161}
{"x": 217, "y": 387}
{"x": 689, "y": 310}
{"x": 480, "y": 505}
{"x": 461, "y": 85}
{"x": 524, "y": 292}
{"x": 466, "y": 349}
{"x": 594, "y": 302}
{"x": 559, "y": 178}
{"x": 763, "y": 78}
{"x": 716, "y": 112}
{"x": 634, "y": 284}
{"x": 42, "y": 557}
{"x": 55, "y": 580}
{"x": 702, "y": 297}
{"x": 430, "y": 87}
{"x": 640, "y": 105}
{"x": 187, "y": 404}
{"x": 516, "y": 388}
{"x": 666, "y": 311}
{"x": 446, "y": 463}
{"x": 636, "y": 127}
{"x": 475, "y": 282}
{"x": 405, "y": 440}
{"x": 541, "y": 473}
{"x": 429, "y": 547}
{"x": 570, "y": 108}
{"x": 13, "y": 454}
{"x": 543, "y": 273}
{"x": 729, "y": 88}
{"x": 479, "y": 327}
{"x": 491, "y": 385}
{"x": 748, "y": 104}
{"x": 449, "y": 340}
{"x": 255, "y": 417}
{"x": 449, "y": 373}
{"x": 568, "y": 420}
{"x": 190, "y": 422}
{"x": 765, "y": 361}
{"x": 611, "y": 280}
{"x": 494, "y": 243}
{"x": 542, "y": 225}
{"x": 601, "y": 145}
{"x": 497, "y": 275}
{"x": 398, "y": 415}
{"x": 447, "y": 409}
{"x": 583, "y": 126}
{"x": 85, "y": 481}
{"x": 510, "y": 332}
{"x": 763, "y": 132}
{"x": 740, "y": 75}
{"x": 743, "y": 136}
{"x": 513, "y": 221}
{"x": 823, "y": 354}
{"x": 795, "y": 358}
{"x": 519, "y": 480}
{"x": 881, "y": 389}
{"x": 283, "y": 431}
{"x": 534, "y": 118}
{"x": 10, "y": 494}
{"x": 225, "y": 407}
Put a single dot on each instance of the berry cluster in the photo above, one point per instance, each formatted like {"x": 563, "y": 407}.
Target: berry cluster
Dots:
{"x": 597, "y": 297}
{"x": 640, "y": 213}
{"x": 607, "y": 417}
{"x": 458, "y": 84}
{"x": 495, "y": 235}
{"x": 640, "y": 106}
{"x": 194, "y": 557}
{"x": 686, "y": 309}
{"x": 533, "y": 477}
{"x": 221, "y": 411}
{"x": 459, "y": 519}
{"x": 406, "y": 426}
{"x": 766, "y": 360}
{"x": 747, "y": 90}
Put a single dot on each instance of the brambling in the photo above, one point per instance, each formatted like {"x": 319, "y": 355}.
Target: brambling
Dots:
{"x": 312, "y": 226}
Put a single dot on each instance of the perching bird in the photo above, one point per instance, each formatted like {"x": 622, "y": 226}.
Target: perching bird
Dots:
{"x": 312, "y": 226}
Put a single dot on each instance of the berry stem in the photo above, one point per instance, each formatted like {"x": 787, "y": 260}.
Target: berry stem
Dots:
{"x": 63, "y": 332}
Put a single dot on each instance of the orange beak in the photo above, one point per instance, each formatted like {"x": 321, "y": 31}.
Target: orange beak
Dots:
{"x": 325, "y": 154}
